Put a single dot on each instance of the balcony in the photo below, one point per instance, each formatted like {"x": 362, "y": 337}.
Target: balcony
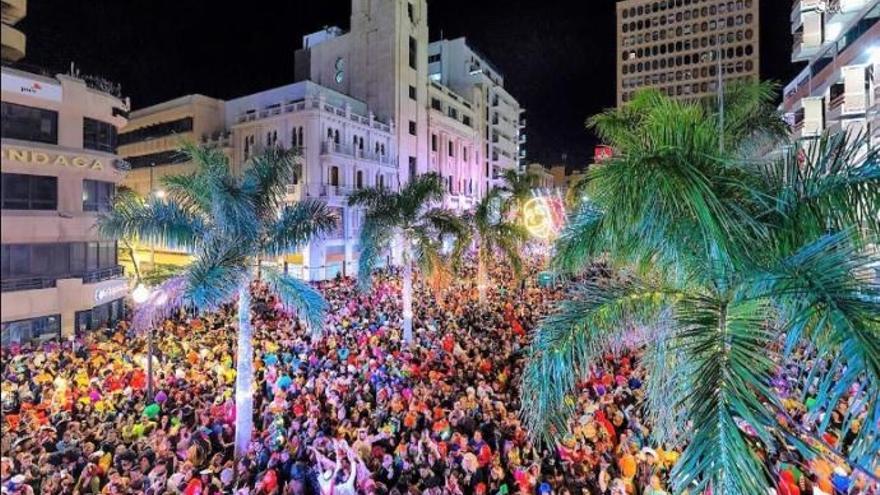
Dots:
{"x": 334, "y": 148}
{"x": 14, "y": 43}
{"x": 13, "y": 284}
{"x": 331, "y": 191}
{"x": 14, "y": 10}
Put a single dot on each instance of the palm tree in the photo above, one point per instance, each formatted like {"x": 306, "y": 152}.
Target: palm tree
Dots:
{"x": 410, "y": 216}
{"x": 727, "y": 265}
{"x": 494, "y": 234}
{"x": 228, "y": 223}
{"x": 518, "y": 189}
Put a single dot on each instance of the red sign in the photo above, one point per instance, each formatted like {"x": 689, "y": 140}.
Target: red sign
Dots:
{"x": 602, "y": 153}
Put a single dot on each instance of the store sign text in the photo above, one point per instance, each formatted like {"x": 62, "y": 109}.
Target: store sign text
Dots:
{"x": 112, "y": 292}
{"x": 57, "y": 159}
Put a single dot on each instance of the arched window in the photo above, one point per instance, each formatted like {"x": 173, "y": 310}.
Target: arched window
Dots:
{"x": 336, "y": 136}
{"x": 359, "y": 179}
{"x": 334, "y": 176}
{"x": 381, "y": 181}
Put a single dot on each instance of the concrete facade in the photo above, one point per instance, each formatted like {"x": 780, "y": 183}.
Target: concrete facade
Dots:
{"x": 47, "y": 270}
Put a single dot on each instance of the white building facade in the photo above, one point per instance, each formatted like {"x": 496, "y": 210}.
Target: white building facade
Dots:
{"x": 364, "y": 112}
{"x": 498, "y": 116}
{"x": 344, "y": 148}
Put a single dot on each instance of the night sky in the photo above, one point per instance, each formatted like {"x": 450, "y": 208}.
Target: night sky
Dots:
{"x": 558, "y": 62}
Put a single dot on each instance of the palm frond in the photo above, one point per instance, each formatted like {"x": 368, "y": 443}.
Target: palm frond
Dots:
{"x": 833, "y": 183}
{"x": 581, "y": 240}
{"x": 154, "y": 222}
{"x": 217, "y": 271}
{"x": 164, "y": 302}
{"x": 727, "y": 344}
{"x": 374, "y": 239}
{"x": 581, "y": 329}
{"x": 299, "y": 295}
{"x": 268, "y": 174}
{"x": 297, "y": 224}
{"x": 829, "y": 296}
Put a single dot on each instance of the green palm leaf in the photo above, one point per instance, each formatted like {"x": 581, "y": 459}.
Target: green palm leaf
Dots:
{"x": 299, "y": 295}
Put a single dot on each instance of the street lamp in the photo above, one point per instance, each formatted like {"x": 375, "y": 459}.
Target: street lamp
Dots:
{"x": 140, "y": 295}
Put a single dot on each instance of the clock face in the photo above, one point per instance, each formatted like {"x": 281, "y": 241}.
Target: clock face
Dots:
{"x": 339, "y": 76}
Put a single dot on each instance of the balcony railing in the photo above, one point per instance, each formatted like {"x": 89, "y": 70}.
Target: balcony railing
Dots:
{"x": 12, "y": 284}
{"x": 27, "y": 283}
{"x": 103, "y": 274}
{"x": 331, "y": 147}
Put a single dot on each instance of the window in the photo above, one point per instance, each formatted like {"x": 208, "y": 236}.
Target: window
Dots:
{"x": 334, "y": 176}
{"x": 29, "y": 123}
{"x": 410, "y": 13}
{"x": 60, "y": 259}
{"x": 359, "y": 179}
{"x": 413, "y": 52}
{"x": 466, "y": 120}
{"x": 464, "y": 153}
{"x": 453, "y": 112}
{"x": 434, "y": 58}
{"x": 29, "y": 192}
{"x": 99, "y": 135}
{"x": 412, "y": 128}
{"x": 33, "y": 329}
{"x": 436, "y": 105}
{"x": 433, "y": 142}
{"x": 412, "y": 168}
{"x": 451, "y": 147}
{"x": 97, "y": 195}
{"x": 160, "y": 158}
{"x": 157, "y": 130}
{"x": 412, "y": 92}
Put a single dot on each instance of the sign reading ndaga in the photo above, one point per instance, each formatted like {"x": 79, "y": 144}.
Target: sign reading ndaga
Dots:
{"x": 56, "y": 159}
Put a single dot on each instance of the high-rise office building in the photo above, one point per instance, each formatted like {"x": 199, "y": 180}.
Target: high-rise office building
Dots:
{"x": 680, "y": 47}
{"x": 839, "y": 88}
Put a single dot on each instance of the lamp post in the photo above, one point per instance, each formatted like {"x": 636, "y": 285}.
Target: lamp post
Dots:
{"x": 140, "y": 295}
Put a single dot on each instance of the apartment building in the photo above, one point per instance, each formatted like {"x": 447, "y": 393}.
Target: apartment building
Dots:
{"x": 838, "y": 89}
{"x": 455, "y": 146}
{"x": 59, "y": 170}
{"x": 344, "y": 148}
{"x": 499, "y": 116}
{"x": 684, "y": 47}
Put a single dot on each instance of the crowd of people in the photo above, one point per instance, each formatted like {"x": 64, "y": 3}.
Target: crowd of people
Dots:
{"x": 356, "y": 412}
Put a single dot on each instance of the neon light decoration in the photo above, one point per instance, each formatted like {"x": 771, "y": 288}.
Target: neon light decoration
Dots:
{"x": 544, "y": 214}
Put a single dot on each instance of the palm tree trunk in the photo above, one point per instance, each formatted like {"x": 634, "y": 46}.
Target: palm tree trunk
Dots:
{"x": 244, "y": 375}
{"x": 134, "y": 262}
{"x": 481, "y": 276}
{"x": 407, "y": 293}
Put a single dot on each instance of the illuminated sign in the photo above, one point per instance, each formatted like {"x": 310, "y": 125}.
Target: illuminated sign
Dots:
{"x": 544, "y": 216}
{"x": 56, "y": 159}
{"x": 31, "y": 87}
{"x": 111, "y": 293}
{"x": 602, "y": 153}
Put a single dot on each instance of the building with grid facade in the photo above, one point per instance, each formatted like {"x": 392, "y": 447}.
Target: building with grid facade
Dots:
{"x": 679, "y": 46}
